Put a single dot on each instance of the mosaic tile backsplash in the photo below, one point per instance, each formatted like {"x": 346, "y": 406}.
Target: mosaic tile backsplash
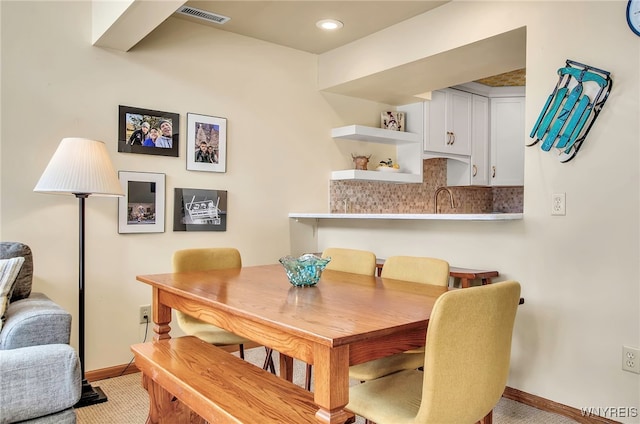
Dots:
{"x": 379, "y": 197}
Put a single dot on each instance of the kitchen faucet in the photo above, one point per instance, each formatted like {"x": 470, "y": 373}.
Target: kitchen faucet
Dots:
{"x": 435, "y": 198}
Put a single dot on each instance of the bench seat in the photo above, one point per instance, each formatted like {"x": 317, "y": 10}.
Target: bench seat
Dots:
{"x": 185, "y": 374}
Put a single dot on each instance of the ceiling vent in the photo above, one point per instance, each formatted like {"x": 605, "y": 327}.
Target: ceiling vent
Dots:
{"x": 204, "y": 15}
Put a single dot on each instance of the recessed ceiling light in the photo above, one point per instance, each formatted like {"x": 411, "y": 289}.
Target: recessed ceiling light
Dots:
{"x": 329, "y": 24}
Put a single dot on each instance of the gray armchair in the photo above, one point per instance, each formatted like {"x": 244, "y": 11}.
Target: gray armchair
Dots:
{"x": 40, "y": 377}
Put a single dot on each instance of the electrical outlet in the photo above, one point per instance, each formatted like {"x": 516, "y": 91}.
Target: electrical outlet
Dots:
{"x": 145, "y": 314}
{"x": 631, "y": 359}
{"x": 558, "y": 204}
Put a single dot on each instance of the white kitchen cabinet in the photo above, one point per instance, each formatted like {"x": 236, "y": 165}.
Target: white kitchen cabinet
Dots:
{"x": 448, "y": 122}
{"x": 507, "y": 141}
{"x": 408, "y": 148}
{"x": 473, "y": 170}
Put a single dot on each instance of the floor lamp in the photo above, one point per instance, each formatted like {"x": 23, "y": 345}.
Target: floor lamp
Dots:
{"x": 81, "y": 167}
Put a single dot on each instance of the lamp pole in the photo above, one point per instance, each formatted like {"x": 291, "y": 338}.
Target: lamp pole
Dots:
{"x": 90, "y": 395}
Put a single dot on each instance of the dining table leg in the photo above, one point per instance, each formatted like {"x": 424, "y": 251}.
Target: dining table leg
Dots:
{"x": 331, "y": 386}
{"x": 161, "y": 317}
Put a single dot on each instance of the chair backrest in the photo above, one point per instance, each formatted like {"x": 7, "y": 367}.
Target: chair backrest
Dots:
{"x": 417, "y": 269}
{"x": 351, "y": 260}
{"x": 203, "y": 259}
{"x": 468, "y": 348}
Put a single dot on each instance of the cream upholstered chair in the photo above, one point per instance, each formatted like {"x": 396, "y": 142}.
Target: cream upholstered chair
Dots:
{"x": 477, "y": 322}
{"x": 346, "y": 260}
{"x": 203, "y": 259}
{"x": 417, "y": 269}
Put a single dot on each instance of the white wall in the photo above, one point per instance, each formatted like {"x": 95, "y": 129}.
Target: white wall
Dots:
{"x": 55, "y": 84}
{"x": 580, "y": 272}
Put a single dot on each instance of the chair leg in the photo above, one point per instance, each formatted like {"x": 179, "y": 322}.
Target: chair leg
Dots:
{"x": 241, "y": 346}
{"x": 307, "y": 380}
{"x": 268, "y": 361}
{"x": 487, "y": 419}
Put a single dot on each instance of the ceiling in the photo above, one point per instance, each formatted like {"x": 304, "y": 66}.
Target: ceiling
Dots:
{"x": 293, "y": 23}
{"x": 517, "y": 78}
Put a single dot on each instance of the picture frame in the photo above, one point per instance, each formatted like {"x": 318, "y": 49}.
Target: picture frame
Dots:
{"x": 132, "y": 137}
{"x": 199, "y": 210}
{"x": 142, "y": 209}
{"x": 206, "y": 143}
{"x": 393, "y": 121}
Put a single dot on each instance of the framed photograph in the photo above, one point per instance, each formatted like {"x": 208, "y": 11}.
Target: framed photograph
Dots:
{"x": 199, "y": 210}
{"x": 206, "y": 143}
{"x": 149, "y": 132}
{"x": 141, "y": 210}
{"x": 392, "y": 121}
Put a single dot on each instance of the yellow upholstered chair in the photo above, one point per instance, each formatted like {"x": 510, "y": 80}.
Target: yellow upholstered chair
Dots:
{"x": 346, "y": 260}
{"x": 423, "y": 270}
{"x": 351, "y": 260}
{"x": 477, "y": 323}
{"x": 204, "y": 259}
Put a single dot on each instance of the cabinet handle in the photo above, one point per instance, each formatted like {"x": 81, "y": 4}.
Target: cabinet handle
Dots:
{"x": 448, "y": 137}
{"x": 475, "y": 170}
{"x": 453, "y": 140}
{"x": 494, "y": 172}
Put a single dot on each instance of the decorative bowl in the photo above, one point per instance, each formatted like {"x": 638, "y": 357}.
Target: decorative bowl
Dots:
{"x": 387, "y": 169}
{"x": 305, "y": 270}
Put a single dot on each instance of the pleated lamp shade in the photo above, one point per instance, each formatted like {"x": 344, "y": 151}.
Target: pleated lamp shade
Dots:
{"x": 80, "y": 166}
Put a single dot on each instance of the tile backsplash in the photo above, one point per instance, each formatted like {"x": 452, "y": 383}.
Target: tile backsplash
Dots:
{"x": 380, "y": 197}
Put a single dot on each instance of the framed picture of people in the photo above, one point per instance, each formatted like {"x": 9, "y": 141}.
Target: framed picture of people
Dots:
{"x": 206, "y": 143}
{"x": 149, "y": 132}
{"x": 141, "y": 210}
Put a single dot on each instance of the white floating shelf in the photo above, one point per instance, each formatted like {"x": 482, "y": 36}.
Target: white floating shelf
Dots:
{"x": 375, "y": 135}
{"x": 390, "y": 177}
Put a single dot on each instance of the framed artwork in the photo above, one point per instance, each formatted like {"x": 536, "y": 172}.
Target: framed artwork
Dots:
{"x": 141, "y": 210}
{"x": 392, "y": 121}
{"x": 206, "y": 143}
{"x": 149, "y": 132}
{"x": 199, "y": 210}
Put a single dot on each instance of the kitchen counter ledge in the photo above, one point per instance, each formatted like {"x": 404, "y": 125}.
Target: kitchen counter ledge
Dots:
{"x": 412, "y": 216}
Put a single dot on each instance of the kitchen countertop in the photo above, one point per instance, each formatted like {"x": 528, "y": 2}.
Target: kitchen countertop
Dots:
{"x": 412, "y": 216}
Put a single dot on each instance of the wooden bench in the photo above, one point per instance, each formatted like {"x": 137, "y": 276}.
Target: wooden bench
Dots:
{"x": 190, "y": 381}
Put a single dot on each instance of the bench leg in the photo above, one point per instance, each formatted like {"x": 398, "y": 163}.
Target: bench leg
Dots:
{"x": 164, "y": 408}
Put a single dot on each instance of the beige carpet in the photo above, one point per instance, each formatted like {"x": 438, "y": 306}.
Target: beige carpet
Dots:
{"x": 128, "y": 402}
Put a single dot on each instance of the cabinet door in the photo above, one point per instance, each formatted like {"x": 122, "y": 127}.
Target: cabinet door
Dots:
{"x": 507, "y": 141}
{"x": 459, "y": 122}
{"x": 448, "y": 122}
{"x": 480, "y": 141}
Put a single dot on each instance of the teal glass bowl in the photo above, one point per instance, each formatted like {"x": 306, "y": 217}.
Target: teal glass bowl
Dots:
{"x": 304, "y": 271}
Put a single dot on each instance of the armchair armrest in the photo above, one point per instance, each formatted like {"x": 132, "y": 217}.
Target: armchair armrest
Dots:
{"x": 36, "y": 320}
{"x": 37, "y": 381}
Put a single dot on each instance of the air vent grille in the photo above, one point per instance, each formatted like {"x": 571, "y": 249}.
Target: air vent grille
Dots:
{"x": 204, "y": 15}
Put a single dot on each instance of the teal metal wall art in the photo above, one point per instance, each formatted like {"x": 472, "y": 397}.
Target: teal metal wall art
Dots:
{"x": 571, "y": 109}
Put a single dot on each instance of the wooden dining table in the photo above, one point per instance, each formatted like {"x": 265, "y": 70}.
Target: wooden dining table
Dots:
{"x": 344, "y": 320}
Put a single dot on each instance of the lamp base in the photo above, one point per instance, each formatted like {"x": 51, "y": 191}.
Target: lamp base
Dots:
{"x": 90, "y": 395}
